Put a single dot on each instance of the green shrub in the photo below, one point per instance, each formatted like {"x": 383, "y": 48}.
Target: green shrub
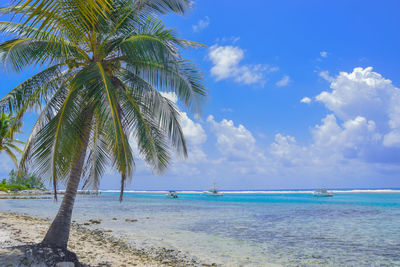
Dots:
{"x": 17, "y": 187}
{"x": 3, "y": 188}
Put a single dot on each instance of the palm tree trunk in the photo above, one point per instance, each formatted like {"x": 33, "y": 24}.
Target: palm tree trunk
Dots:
{"x": 58, "y": 233}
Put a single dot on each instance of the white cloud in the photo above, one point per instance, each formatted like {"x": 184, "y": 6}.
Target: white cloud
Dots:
{"x": 323, "y": 54}
{"x": 306, "y": 100}
{"x": 284, "y": 81}
{"x": 233, "y": 141}
{"x": 325, "y": 76}
{"x": 363, "y": 128}
{"x": 227, "y": 64}
{"x": 355, "y": 138}
{"x": 201, "y": 24}
{"x": 193, "y": 131}
{"x": 369, "y": 106}
{"x": 364, "y": 93}
{"x": 285, "y": 150}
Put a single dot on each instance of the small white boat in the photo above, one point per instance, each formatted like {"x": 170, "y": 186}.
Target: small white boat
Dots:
{"x": 213, "y": 192}
{"x": 172, "y": 194}
{"x": 322, "y": 193}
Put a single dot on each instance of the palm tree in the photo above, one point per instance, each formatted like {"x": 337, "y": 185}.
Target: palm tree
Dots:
{"x": 8, "y": 127}
{"x": 99, "y": 92}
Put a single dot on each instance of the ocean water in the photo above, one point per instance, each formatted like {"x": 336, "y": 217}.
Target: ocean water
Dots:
{"x": 353, "y": 228}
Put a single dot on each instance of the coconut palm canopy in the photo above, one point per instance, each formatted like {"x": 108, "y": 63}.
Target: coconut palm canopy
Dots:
{"x": 8, "y": 127}
{"x": 59, "y": 17}
{"x": 101, "y": 86}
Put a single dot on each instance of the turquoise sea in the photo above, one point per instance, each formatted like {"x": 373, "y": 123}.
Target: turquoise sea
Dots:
{"x": 288, "y": 228}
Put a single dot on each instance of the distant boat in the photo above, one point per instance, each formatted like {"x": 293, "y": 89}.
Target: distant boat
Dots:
{"x": 213, "y": 192}
{"x": 172, "y": 194}
{"x": 322, "y": 193}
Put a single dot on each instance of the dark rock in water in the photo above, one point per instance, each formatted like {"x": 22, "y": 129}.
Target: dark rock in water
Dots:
{"x": 95, "y": 221}
{"x": 92, "y": 221}
{"x": 131, "y": 220}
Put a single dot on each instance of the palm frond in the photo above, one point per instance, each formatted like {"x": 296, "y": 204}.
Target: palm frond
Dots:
{"x": 98, "y": 157}
{"x": 32, "y": 91}
{"x": 122, "y": 151}
{"x": 160, "y": 109}
{"x": 11, "y": 154}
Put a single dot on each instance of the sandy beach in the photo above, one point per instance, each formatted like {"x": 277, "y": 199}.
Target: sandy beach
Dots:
{"x": 92, "y": 247}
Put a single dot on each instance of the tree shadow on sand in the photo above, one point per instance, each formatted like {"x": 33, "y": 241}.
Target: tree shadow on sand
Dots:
{"x": 37, "y": 255}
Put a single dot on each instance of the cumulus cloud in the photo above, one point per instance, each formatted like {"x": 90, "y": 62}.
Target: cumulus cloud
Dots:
{"x": 369, "y": 107}
{"x": 193, "y": 131}
{"x": 227, "y": 64}
{"x": 284, "y": 81}
{"x": 360, "y": 93}
{"x": 361, "y": 129}
{"x": 354, "y": 139}
{"x": 367, "y": 94}
{"x": 232, "y": 140}
{"x": 238, "y": 149}
{"x": 285, "y": 150}
{"x": 201, "y": 24}
{"x": 306, "y": 100}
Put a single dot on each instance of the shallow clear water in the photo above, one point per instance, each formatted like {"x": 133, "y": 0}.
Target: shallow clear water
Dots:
{"x": 349, "y": 229}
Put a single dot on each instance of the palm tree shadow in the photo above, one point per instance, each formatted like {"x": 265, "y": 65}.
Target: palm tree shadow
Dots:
{"x": 38, "y": 255}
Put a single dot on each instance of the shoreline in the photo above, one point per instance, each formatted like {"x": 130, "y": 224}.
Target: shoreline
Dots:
{"x": 96, "y": 247}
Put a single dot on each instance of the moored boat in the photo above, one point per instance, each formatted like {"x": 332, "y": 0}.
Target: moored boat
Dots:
{"x": 213, "y": 192}
{"x": 172, "y": 194}
{"x": 322, "y": 193}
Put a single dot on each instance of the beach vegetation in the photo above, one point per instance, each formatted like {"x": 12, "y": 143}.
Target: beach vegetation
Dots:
{"x": 4, "y": 188}
{"x": 17, "y": 187}
{"x": 21, "y": 181}
{"x": 99, "y": 92}
{"x": 29, "y": 180}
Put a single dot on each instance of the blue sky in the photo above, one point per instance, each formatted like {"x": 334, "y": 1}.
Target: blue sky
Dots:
{"x": 302, "y": 94}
